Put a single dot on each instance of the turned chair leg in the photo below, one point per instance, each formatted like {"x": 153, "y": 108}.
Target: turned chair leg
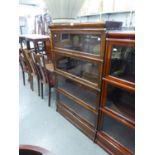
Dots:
{"x": 30, "y": 80}
{"x": 41, "y": 90}
{"x": 38, "y": 86}
{"x": 49, "y": 96}
{"x": 31, "y": 84}
{"x": 23, "y": 77}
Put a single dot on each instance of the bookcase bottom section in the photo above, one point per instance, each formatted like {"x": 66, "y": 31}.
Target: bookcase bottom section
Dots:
{"x": 90, "y": 132}
{"x": 110, "y": 145}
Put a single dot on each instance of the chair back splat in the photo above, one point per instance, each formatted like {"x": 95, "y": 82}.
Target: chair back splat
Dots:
{"x": 25, "y": 66}
{"x": 46, "y": 77}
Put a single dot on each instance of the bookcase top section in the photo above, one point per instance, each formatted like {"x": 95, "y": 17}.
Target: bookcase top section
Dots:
{"x": 121, "y": 34}
{"x": 78, "y": 25}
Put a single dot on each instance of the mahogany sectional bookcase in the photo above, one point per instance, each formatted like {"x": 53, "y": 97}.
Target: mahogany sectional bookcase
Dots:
{"x": 95, "y": 83}
{"x": 116, "y": 121}
{"x": 78, "y": 56}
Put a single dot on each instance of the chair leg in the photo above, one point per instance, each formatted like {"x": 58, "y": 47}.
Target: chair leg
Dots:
{"x": 23, "y": 77}
{"x": 38, "y": 86}
{"x": 41, "y": 90}
{"x": 49, "y": 96}
{"x": 30, "y": 80}
{"x": 31, "y": 83}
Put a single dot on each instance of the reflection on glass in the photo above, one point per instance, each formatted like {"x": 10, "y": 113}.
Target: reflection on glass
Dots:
{"x": 78, "y": 90}
{"x": 81, "y": 111}
{"x": 121, "y": 101}
{"x": 80, "y": 68}
{"x": 120, "y": 132}
{"x": 123, "y": 63}
{"x": 88, "y": 43}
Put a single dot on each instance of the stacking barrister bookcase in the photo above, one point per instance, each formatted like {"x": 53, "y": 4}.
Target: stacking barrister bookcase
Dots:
{"x": 116, "y": 126}
{"x": 78, "y": 60}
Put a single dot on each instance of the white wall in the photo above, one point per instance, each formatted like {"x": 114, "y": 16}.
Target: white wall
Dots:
{"x": 128, "y": 18}
{"x": 29, "y": 12}
{"x": 103, "y": 6}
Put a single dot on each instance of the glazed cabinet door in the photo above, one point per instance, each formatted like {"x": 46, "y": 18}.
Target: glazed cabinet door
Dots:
{"x": 119, "y": 101}
{"x": 118, "y": 133}
{"x": 120, "y": 59}
{"x": 85, "y": 96}
{"x": 84, "y": 114}
{"x": 76, "y": 42}
{"x": 81, "y": 69}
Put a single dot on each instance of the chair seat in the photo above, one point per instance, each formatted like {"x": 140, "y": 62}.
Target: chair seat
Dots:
{"x": 51, "y": 82}
{"x": 25, "y": 68}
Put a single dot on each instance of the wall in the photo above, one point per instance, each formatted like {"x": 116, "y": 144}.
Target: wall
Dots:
{"x": 128, "y": 18}
{"x": 27, "y": 13}
{"x": 109, "y": 10}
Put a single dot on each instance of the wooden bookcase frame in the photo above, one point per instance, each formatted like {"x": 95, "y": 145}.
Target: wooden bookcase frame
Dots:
{"x": 104, "y": 140}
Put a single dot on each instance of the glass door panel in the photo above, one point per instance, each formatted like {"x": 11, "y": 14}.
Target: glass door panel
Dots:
{"x": 86, "y": 43}
{"x": 78, "y": 109}
{"x": 119, "y": 132}
{"x": 123, "y": 63}
{"x": 121, "y": 101}
{"x": 78, "y": 90}
{"x": 83, "y": 69}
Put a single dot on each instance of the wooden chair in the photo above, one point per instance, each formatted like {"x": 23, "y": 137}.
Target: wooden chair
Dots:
{"x": 24, "y": 66}
{"x": 33, "y": 71}
{"x": 46, "y": 77}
